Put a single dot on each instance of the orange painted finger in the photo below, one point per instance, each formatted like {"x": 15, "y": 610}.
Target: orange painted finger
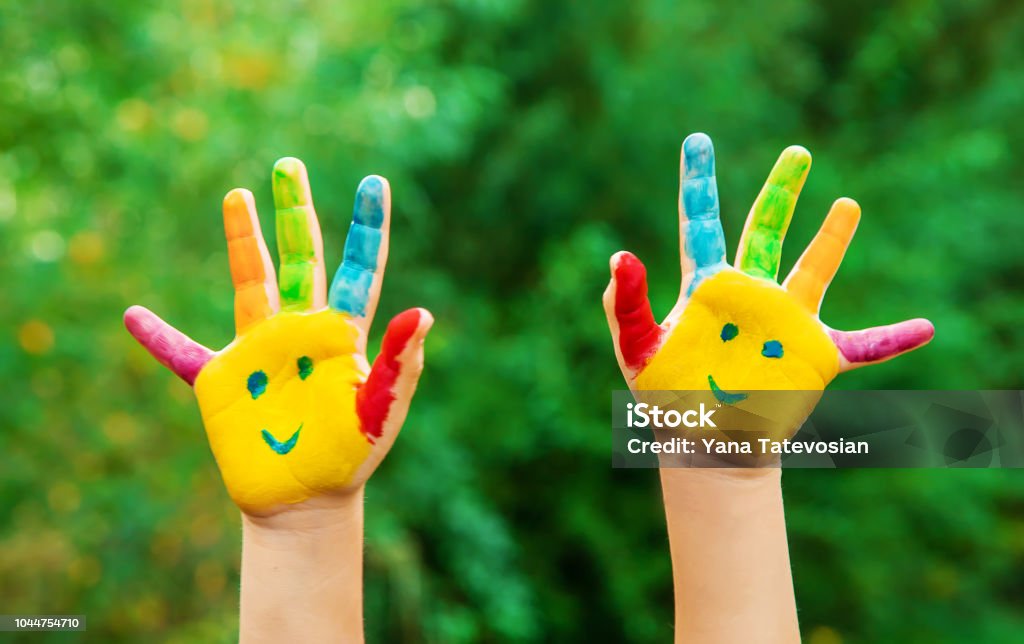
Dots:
{"x": 818, "y": 265}
{"x": 252, "y": 272}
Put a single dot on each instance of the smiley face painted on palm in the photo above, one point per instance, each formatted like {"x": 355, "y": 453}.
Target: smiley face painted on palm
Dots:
{"x": 291, "y": 407}
{"x": 279, "y": 406}
{"x": 750, "y": 335}
{"x": 734, "y": 329}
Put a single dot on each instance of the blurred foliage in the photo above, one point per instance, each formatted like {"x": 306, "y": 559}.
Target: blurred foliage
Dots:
{"x": 525, "y": 141}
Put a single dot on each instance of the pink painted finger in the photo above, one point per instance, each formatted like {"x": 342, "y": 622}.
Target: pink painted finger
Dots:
{"x": 171, "y": 348}
{"x": 880, "y": 343}
{"x": 383, "y": 400}
{"x": 638, "y": 335}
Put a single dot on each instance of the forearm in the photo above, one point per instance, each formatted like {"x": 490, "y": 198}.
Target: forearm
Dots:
{"x": 302, "y": 573}
{"x": 730, "y": 560}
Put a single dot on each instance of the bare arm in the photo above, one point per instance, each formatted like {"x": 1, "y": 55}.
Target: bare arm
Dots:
{"x": 302, "y": 574}
{"x": 730, "y": 561}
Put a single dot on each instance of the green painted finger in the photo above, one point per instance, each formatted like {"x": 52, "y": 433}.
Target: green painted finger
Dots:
{"x": 760, "y": 249}
{"x": 301, "y": 279}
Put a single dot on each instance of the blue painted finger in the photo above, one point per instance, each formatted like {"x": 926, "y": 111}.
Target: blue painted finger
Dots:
{"x": 703, "y": 242}
{"x": 352, "y": 288}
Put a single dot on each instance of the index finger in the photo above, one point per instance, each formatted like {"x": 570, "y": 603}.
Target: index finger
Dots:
{"x": 356, "y": 286}
{"x": 702, "y": 242}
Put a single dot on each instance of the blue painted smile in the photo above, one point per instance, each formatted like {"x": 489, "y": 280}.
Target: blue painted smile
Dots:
{"x": 723, "y": 396}
{"x": 278, "y": 446}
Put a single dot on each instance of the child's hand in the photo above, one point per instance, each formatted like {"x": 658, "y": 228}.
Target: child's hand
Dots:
{"x": 735, "y": 330}
{"x": 291, "y": 407}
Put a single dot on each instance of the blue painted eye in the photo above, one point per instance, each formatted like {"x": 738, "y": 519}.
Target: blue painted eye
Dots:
{"x": 305, "y": 367}
{"x": 729, "y": 331}
{"x": 257, "y": 384}
{"x": 772, "y": 349}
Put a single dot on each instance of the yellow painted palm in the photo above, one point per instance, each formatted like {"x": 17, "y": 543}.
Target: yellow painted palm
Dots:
{"x": 292, "y": 409}
{"x": 735, "y": 329}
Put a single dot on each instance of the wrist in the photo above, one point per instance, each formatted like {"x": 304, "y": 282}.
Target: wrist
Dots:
{"x": 732, "y": 480}
{"x": 318, "y": 517}
{"x": 740, "y": 498}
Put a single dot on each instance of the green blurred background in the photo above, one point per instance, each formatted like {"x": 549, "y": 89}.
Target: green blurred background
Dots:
{"x": 525, "y": 143}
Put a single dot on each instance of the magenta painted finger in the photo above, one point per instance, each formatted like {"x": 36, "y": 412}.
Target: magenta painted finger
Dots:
{"x": 882, "y": 342}
{"x": 171, "y": 348}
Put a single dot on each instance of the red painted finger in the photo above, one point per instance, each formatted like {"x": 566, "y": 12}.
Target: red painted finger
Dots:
{"x": 394, "y": 374}
{"x": 171, "y": 348}
{"x": 881, "y": 343}
{"x": 639, "y": 335}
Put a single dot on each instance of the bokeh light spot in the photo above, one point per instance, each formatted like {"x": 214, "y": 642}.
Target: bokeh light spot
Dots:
{"x": 190, "y": 124}
{"x": 85, "y": 571}
{"x": 419, "y": 102}
{"x": 64, "y": 497}
{"x": 86, "y": 248}
{"x": 36, "y": 337}
{"x": 824, "y": 635}
{"x": 47, "y": 246}
{"x": 121, "y": 429}
{"x": 134, "y": 115}
{"x": 210, "y": 578}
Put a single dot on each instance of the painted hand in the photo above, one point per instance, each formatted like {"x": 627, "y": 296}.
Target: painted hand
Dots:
{"x": 735, "y": 329}
{"x": 291, "y": 407}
